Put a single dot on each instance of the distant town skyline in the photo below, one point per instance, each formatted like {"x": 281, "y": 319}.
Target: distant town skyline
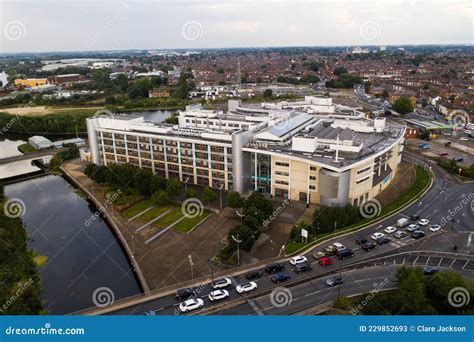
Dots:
{"x": 44, "y": 25}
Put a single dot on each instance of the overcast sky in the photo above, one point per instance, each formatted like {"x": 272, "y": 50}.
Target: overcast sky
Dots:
{"x": 61, "y": 25}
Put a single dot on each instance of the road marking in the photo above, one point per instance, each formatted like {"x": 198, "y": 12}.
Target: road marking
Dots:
{"x": 427, "y": 260}
{"x": 454, "y": 260}
{"x": 439, "y": 263}
{"x": 467, "y": 262}
{"x": 403, "y": 263}
{"x": 414, "y": 262}
{"x": 254, "y": 307}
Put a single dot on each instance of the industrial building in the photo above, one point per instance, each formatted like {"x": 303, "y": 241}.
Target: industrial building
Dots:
{"x": 311, "y": 151}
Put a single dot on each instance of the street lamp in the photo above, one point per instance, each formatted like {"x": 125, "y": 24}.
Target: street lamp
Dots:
{"x": 238, "y": 248}
{"x": 220, "y": 196}
{"x": 191, "y": 263}
{"x": 186, "y": 184}
{"x": 241, "y": 215}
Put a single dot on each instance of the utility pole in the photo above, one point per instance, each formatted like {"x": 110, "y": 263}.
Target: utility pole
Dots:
{"x": 241, "y": 215}
{"x": 186, "y": 184}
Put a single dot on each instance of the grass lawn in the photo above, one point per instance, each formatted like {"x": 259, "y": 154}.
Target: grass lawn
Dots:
{"x": 189, "y": 223}
{"x": 174, "y": 215}
{"x": 26, "y": 148}
{"x": 154, "y": 213}
{"x": 422, "y": 180}
{"x": 137, "y": 208}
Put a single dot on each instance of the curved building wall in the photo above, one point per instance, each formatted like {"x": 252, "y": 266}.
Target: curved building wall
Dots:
{"x": 334, "y": 187}
{"x": 241, "y": 161}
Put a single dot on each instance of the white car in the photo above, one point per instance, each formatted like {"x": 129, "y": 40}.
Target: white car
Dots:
{"x": 463, "y": 139}
{"x": 435, "y": 227}
{"x": 246, "y": 287}
{"x": 413, "y": 227}
{"x": 377, "y": 235}
{"x": 390, "y": 230}
{"x": 221, "y": 283}
{"x": 191, "y": 304}
{"x": 423, "y": 222}
{"x": 298, "y": 260}
{"x": 218, "y": 295}
{"x": 338, "y": 246}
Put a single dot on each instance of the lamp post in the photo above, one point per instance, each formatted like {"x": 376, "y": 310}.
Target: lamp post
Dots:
{"x": 186, "y": 184}
{"x": 220, "y": 196}
{"x": 238, "y": 248}
{"x": 191, "y": 263}
{"x": 241, "y": 215}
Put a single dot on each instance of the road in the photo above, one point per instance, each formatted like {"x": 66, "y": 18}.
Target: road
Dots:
{"x": 33, "y": 155}
{"x": 446, "y": 200}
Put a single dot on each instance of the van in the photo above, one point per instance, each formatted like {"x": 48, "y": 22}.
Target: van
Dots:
{"x": 402, "y": 222}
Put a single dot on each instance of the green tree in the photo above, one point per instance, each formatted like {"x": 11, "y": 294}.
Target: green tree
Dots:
{"x": 234, "y": 200}
{"x": 173, "y": 187}
{"x": 410, "y": 295}
{"x": 161, "y": 198}
{"x": 208, "y": 195}
{"x": 268, "y": 94}
{"x": 439, "y": 287}
{"x": 367, "y": 86}
{"x": 191, "y": 193}
{"x": 339, "y": 71}
{"x": 403, "y": 105}
{"x": 244, "y": 234}
{"x": 385, "y": 94}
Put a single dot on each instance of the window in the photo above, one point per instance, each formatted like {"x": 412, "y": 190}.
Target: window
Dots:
{"x": 363, "y": 170}
{"x": 313, "y": 168}
{"x": 280, "y": 173}
{"x": 312, "y": 177}
{"x": 312, "y": 187}
{"x": 282, "y": 164}
{"x": 281, "y": 182}
{"x": 362, "y": 180}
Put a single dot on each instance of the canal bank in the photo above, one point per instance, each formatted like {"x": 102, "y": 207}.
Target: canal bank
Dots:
{"x": 113, "y": 225}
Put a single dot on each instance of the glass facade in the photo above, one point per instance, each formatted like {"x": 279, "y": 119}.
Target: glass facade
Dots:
{"x": 261, "y": 173}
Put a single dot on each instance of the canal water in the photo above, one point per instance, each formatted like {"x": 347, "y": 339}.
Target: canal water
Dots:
{"x": 81, "y": 258}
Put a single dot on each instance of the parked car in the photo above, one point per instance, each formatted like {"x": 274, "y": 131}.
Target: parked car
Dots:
{"x": 325, "y": 261}
{"x": 246, "y": 287}
{"x": 361, "y": 240}
{"x": 150, "y": 313}
{"x": 330, "y": 250}
{"x": 447, "y": 143}
{"x": 185, "y": 293}
{"x": 463, "y": 139}
{"x": 458, "y": 159}
{"x": 274, "y": 267}
{"x": 338, "y": 246}
{"x": 254, "y": 274}
{"x": 191, "y": 304}
{"x": 402, "y": 222}
{"x": 423, "y": 222}
{"x": 377, "y": 235}
{"x": 318, "y": 255}
{"x": 430, "y": 270}
{"x": 218, "y": 295}
{"x": 435, "y": 227}
{"x": 345, "y": 253}
{"x": 368, "y": 246}
{"x": 412, "y": 227}
{"x": 303, "y": 267}
{"x": 443, "y": 154}
{"x": 417, "y": 234}
{"x": 298, "y": 259}
{"x": 390, "y": 230}
{"x": 279, "y": 277}
{"x": 400, "y": 234}
{"x": 383, "y": 240}
{"x": 334, "y": 281}
{"x": 221, "y": 283}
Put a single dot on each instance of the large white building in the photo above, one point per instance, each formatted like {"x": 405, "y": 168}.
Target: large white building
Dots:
{"x": 311, "y": 151}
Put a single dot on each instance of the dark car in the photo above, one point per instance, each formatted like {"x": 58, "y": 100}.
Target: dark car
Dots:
{"x": 345, "y": 253}
{"x": 417, "y": 234}
{"x": 275, "y": 267}
{"x": 368, "y": 246}
{"x": 458, "y": 159}
{"x": 251, "y": 275}
{"x": 279, "y": 277}
{"x": 361, "y": 240}
{"x": 447, "y": 143}
{"x": 415, "y": 217}
{"x": 430, "y": 270}
{"x": 334, "y": 281}
{"x": 303, "y": 267}
{"x": 383, "y": 240}
{"x": 184, "y": 293}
